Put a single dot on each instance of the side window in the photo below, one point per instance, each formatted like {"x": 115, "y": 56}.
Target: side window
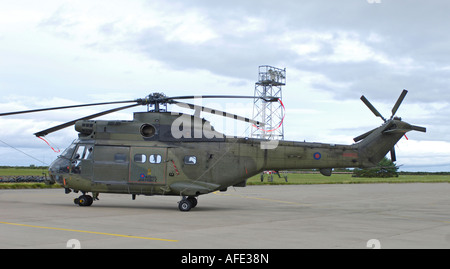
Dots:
{"x": 107, "y": 155}
{"x": 140, "y": 158}
{"x": 190, "y": 159}
{"x": 155, "y": 158}
{"x": 120, "y": 158}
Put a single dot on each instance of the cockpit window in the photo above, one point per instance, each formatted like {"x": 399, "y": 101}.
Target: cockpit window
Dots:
{"x": 84, "y": 152}
{"x": 88, "y": 155}
{"x": 80, "y": 152}
{"x": 68, "y": 152}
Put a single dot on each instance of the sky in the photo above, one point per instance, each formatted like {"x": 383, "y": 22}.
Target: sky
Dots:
{"x": 61, "y": 52}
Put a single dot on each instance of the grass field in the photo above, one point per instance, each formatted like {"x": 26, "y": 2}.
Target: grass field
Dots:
{"x": 22, "y": 171}
{"x": 13, "y": 186}
{"x": 295, "y": 179}
{"x": 345, "y": 179}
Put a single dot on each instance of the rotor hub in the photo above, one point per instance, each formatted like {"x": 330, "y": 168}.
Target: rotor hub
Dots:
{"x": 154, "y": 98}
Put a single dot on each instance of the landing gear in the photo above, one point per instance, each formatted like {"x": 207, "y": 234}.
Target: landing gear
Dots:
{"x": 84, "y": 200}
{"x": 187, "y": 203}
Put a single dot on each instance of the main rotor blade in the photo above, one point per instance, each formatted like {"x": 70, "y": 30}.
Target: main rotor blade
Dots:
{"x": 218, "y": 112}
{"x": 364, "y": 135}
{"x": 67, "y": 124}
{"x": 267, "y": 99}
{"x": 64, "y": 107}
{"x": 399, "y": 101}
{"x": 372, "y": 108}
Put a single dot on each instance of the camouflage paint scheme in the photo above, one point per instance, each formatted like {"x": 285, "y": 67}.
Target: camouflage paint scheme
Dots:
{"x": 147, "y": 156}
{"x": 162, "y": 153}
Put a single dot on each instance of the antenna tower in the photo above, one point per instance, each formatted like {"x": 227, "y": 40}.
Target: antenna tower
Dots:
{"x": 269, "y": 84}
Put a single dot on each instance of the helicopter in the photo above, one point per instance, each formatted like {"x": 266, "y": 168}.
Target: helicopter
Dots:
{"x": 171, "y": 153}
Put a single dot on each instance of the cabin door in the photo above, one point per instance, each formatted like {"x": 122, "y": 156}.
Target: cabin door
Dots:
{"x": 148, "y": 165}
{"x": 111, "y": 164}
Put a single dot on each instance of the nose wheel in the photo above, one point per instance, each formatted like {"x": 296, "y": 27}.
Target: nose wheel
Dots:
{"x": 187, "y": 203}
{"x": 84, "y": 200}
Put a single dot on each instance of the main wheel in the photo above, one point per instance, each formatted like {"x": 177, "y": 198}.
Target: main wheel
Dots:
{"x": 84, "y": 200}
{"x": 184, "y": 205}
{"x": 193, "y": 201}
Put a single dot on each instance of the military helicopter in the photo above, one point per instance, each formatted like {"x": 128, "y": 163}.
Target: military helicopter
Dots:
{"x": 167, "y": 153}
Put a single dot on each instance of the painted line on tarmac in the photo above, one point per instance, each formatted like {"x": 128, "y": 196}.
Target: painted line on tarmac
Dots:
{"x": 89, "y": 232}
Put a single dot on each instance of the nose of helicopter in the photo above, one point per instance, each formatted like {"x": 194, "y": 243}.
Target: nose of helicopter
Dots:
{"x": 57, "y": 168}
{"x": 61, "y": 165}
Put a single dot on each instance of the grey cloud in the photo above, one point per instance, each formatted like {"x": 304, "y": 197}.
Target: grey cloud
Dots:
{"x": 58, "y": 24}
{"x": 407, "y": 29}
{"x": 234, "y": 57}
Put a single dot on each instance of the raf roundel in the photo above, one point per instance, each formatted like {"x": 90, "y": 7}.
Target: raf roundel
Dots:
{"x": 317, "y": 156}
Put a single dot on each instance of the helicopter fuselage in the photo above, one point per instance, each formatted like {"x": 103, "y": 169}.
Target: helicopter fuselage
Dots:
{"x": 161, "y": 153}
{"x": 187, "y": 168}
{"x": 147, "y": 156}
{"x": 167, "y": 153}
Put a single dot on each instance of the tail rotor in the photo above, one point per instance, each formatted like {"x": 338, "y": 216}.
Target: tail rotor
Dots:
{"x": 391, "y": 126}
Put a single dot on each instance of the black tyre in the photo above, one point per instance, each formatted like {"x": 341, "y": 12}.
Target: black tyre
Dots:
{"x": 184, "y": 205}
{"x": 85, "y": 200}
{"x": 193, "y": 201}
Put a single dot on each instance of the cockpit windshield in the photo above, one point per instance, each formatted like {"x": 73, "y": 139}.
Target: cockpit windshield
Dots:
{"x": 71, "y": 157}
{"x": 68, "y": 152}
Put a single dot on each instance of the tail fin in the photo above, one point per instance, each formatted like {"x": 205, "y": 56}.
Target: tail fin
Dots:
{"x": 375, "y": 144}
